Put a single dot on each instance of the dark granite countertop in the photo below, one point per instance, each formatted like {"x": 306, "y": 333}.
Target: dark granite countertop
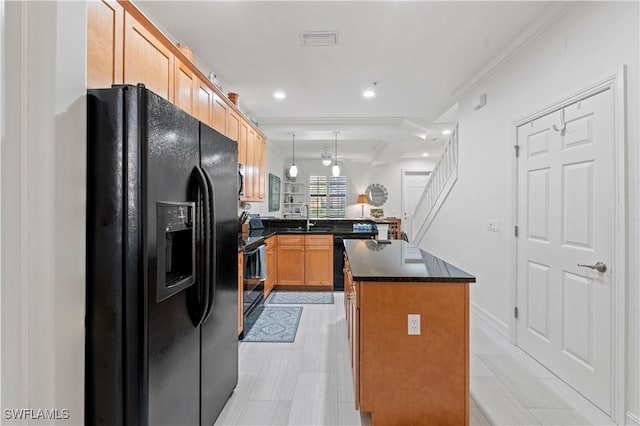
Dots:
{"x": 298, "y": 226}
{"x": 399, "y": 261}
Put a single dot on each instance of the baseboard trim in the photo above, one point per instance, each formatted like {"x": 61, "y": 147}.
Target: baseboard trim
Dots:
{"x": 493, "y": 322}
{"x": 631, "y": 419}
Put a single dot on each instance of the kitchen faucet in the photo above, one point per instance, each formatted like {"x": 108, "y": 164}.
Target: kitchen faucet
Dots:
{"x": 309, "y": 225}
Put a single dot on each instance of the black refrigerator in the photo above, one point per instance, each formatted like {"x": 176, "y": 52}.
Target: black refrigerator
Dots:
{"x": 161, "y": 324}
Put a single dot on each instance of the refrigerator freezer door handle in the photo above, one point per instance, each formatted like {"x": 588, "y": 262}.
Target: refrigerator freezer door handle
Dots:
{"x": 212, "y": 226}
{"x": 203, "y": 281}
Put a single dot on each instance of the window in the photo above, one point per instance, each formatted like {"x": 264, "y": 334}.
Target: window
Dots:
{"x": 328, "y": 196}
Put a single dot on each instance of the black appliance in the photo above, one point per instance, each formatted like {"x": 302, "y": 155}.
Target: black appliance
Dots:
{"x": 338, "y": 254}
{"x": 254, "y": 275}
{"x": 161, "y": 324}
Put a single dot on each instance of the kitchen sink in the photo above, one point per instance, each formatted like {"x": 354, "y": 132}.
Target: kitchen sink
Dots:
{"x": 312, "y": 230}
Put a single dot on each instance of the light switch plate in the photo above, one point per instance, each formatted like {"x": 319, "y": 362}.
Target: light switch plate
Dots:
{"x": 493, "y": 225}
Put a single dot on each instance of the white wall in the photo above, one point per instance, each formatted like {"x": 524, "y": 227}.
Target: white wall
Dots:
{"x": 361, "y": 175}
{"x": 588, "y": 44}
{"x": 43, "y": 207}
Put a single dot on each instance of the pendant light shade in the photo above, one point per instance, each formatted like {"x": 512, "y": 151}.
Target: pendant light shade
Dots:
{"x": 326, "y": 159}
{"x": 335, "y": 170}
{"x": 293, "y": 170}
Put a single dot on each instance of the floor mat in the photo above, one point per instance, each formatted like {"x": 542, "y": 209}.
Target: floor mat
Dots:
{"x": 300, "y": 298}
{"x": 277, "y": 324}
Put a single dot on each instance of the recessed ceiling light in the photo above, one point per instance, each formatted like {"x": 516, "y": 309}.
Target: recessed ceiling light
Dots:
{"x": 279, "y": 95}
{"x": 370, "y": 92}
{"x": 446, "y": 131}
{"x": 425, "y": 154}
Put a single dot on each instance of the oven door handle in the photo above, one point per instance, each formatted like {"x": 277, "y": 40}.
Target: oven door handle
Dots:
{"x": 202, "y": 296}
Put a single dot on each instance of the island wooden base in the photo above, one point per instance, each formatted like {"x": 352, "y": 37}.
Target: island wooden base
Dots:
{"x": 410, "y": 379}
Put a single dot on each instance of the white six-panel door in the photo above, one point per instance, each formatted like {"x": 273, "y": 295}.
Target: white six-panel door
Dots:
{"x": 565, "y": 218}
{"x": 413, "y": 183}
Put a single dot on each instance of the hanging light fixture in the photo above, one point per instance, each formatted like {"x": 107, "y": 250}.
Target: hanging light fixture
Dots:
{"x": 335, "y": 171}
{"x": 293, "y": 170}
{"x": 326, "y": 159}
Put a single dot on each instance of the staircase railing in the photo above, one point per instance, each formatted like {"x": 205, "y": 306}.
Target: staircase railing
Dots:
{"x": 441, "y": 180}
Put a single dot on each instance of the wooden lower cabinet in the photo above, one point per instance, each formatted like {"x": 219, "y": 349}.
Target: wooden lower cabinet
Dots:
{"x": 402, "y": 379}
{"x": 272, "y": 265}
{"x": 318, "y": 260}
{"x": 290, "y": 260}
{"x": 240, "y": 291}
{"x": 305, "y": 260}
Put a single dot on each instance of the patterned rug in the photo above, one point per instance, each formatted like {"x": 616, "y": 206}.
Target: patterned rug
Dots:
{"x": 277, "y": 324}
{"x": 300, "y": 298}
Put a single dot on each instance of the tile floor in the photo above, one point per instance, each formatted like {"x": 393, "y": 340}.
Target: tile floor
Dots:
{"x": 308, "y": 382}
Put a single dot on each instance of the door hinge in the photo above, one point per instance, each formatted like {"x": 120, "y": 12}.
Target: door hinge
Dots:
{"x": 516, "y": 231}
{"x": 517, "y": 148}
{"x": 515, "y": 312}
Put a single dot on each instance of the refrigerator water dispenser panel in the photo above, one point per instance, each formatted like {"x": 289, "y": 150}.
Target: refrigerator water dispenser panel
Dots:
{"x": 176, "y": 248}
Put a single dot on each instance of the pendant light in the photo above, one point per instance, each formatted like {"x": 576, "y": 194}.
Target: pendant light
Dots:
{"x": 326, "y": 159}
{"x": 293, "y": 170}
{"x": 335, "y": 171}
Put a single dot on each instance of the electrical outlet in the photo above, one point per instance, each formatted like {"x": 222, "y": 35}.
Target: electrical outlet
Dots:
{"x": 414, "y": 324}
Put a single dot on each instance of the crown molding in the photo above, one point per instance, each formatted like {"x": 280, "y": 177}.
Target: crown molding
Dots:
{"x": 549, "y": 15}
{"x": 328, "y": 121}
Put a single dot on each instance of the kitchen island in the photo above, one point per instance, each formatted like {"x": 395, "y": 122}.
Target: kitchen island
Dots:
{"x": 407, "y": 315}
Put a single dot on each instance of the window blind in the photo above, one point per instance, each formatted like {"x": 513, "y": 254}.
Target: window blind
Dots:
{"x": 328, "y": 196}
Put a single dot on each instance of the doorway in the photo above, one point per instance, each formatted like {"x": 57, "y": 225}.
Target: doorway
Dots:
{"x": 567, "y": 212}
{"x": 413, "y": 184}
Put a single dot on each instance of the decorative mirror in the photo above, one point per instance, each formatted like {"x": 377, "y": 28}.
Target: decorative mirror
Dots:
{"x": 376, "y": 194}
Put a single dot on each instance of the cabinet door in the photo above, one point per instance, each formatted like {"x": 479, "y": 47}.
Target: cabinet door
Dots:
{"x": 290, "y": 265}
{"x": 272, "y": 270}
{"x": 203, "y": 101}
{"x": 250, "y": 169}
{"x": 219, "y": 114}
{"x": 184, "y": 87}
{"x": 355, "y": 352}
{"x": 104, "y": 43}
{"x": 243, "y": 134}
{"x": 260, "y": 166}
{"x": 233, "y": 127}
{"x": 240, "y": 292}
{"x": 147, "y": 60}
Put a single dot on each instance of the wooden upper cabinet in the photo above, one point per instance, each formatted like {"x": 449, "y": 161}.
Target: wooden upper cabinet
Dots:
{"x": 104, "y": 43}
{"x": 203, "y": 101}
{"x": 220, "y": 109}
{"x": 233, "y": 126}
{"x": 261, "y": 153}
{"x": 124, "y": 47}
{"x": 243, "y": 134}
{"x": 251, "y": 187}
{"x": 184, "y": 87}
{"x": 147, "y": 60}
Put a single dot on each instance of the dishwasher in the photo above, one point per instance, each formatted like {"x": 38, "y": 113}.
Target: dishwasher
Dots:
{"x": 338, "y": 254}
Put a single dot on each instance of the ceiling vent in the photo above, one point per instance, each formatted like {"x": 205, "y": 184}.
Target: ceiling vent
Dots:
{"x": 319, "y": 38}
